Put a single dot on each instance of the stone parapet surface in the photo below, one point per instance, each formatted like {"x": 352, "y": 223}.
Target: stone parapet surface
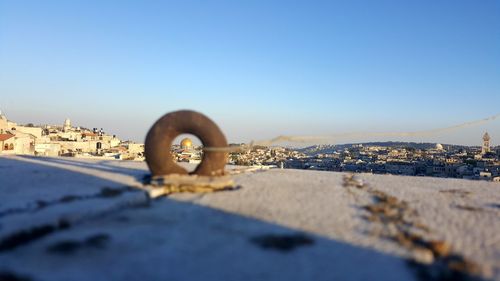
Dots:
{"x": 76, "y": 219}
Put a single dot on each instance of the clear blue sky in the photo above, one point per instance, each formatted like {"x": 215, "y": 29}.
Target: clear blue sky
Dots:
{"x": 258, "y": 68}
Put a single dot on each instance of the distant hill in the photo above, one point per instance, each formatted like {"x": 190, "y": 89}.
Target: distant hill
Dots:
{"x": 320, "y": 149}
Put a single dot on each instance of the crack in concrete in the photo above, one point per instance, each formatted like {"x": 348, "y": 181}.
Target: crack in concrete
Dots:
{"x": 67, "y": 247}
{"x": 26, "y": 236}
{"x": 458, "y": 192}
{"x": 469, "y": 208}
{"x": 11, "y": 276}
{"x": 282, "y": 242}
{"x": 106, "y": 192}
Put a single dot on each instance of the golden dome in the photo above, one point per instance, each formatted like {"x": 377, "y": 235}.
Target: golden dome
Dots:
{"x": 186, "y": 143}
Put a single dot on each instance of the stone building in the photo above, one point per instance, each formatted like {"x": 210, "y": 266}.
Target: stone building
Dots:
{"x": 6, "y": 126}
{"x": 6, "y": 143}
{"x": 17, "y": 143}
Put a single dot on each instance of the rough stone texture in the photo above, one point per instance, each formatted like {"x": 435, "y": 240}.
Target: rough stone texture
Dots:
{"x": 69, "y": 219}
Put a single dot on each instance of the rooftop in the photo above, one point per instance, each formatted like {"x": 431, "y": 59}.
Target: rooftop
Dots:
{"x": 71, "y": 219}
{"x": 4, "y": 137}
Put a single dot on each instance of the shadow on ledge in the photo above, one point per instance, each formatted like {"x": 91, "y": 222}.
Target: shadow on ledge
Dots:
{"x": 98, "y": 165}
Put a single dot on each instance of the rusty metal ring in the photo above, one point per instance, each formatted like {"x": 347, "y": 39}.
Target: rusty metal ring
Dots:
{"x": 160, "y": 137}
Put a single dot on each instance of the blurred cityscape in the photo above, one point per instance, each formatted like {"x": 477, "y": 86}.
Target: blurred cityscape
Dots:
{"x": 480, "y": 162}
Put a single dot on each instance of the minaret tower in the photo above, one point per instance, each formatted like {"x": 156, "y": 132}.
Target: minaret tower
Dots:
{"x": 486, "y": 144}
{"x": 67, "y": 125}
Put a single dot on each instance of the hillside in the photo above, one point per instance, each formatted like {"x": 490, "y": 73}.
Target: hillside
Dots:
{"x": 327, "y": 149}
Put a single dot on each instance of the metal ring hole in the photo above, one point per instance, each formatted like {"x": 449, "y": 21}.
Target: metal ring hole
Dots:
{"x": 187, "y": 152}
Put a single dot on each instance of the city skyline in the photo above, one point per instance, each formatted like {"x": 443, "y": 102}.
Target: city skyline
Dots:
{"x": 305, "y": 141}
{"x": 258, "y": 69}
{"x": 400, "y": 158}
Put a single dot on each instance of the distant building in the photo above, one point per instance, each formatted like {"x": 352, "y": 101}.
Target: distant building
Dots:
{"x": 400, "y": 168}
{"x": 440, "y": 147}
{"x": 47, "y": 149}
{"x": 135, "y": 149}
{"x": 485, "y": 175}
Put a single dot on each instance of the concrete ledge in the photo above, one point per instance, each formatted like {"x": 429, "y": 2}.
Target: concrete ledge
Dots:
{"x": 281, "y": 225}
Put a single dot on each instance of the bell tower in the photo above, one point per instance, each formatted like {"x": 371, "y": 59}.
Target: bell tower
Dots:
{"x": 486, "y": 144}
